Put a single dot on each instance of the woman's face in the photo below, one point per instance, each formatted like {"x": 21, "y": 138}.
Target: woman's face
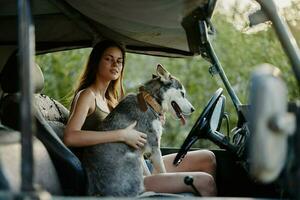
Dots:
{"x": 111, "y": 64}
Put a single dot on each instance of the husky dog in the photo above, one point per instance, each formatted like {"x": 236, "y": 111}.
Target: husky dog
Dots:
{"x": 116, "y": 169}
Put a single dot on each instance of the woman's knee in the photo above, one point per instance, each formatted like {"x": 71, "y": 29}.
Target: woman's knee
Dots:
{"x": 209, "y": 158}
{"x": 212, "y": 158}
{"x": 206, "y": 185}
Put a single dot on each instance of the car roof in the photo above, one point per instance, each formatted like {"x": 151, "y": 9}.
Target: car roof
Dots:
{"x": 142, "y": 26}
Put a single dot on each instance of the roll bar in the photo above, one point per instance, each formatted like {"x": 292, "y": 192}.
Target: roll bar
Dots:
{"x": 26, "y": 53}
{"x": 284, "y": 34}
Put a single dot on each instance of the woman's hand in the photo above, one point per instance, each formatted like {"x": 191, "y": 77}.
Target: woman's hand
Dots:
{"x": 133, "y": 137}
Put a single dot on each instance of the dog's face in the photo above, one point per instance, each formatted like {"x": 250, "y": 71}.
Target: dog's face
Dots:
{"x": 173, "y": 95}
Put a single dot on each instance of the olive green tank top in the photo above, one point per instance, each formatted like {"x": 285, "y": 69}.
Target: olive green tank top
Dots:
{"x": 91, "y": 121}
{"x": 90, "y": 124}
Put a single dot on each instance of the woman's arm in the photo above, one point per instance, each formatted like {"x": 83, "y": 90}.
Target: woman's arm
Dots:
{"x": 84, "y": 103}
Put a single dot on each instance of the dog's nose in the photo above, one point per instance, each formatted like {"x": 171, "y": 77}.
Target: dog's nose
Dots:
{"x": 192, "y": 109}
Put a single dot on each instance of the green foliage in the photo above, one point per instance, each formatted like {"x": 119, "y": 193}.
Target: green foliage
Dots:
{"x": 238, "y": 52}
{"x": 61, "y": 71}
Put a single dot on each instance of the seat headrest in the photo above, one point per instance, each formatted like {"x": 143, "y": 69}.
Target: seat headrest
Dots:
{"x": 9, "y": 77}
{"x": 38, "y": 79}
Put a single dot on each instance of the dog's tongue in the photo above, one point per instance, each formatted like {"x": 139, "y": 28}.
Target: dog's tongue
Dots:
{"x": 178, "y": 112}
{"x": 182, "y": 119}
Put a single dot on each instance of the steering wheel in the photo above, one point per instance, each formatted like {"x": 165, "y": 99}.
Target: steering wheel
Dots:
{"x": 199, "y": 127}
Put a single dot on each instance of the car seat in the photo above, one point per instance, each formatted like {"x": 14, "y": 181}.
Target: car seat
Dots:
{"x": 45, "y": 175}
{"x": 50, "y": 117}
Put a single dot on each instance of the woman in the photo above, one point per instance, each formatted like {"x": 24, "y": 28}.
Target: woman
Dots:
{"x": 99, "y": 91}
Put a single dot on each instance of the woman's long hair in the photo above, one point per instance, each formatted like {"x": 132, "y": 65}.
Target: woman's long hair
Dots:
{"x": 115, "y": 90}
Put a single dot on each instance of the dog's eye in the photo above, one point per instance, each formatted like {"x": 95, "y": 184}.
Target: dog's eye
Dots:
{"x": 182, "y": 94}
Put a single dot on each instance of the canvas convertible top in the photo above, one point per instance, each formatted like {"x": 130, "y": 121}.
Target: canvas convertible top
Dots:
{"x": 143, "y": 26}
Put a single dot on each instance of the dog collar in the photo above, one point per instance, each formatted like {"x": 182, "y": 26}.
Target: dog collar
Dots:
{"x": 145, "y": 98}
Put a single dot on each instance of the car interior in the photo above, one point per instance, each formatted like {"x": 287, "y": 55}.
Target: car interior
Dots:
{"x": 58, "y": 170}
{"x": 176, "y": 29}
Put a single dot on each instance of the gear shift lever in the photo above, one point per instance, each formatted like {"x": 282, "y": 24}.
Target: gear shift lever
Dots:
{"x": 188, "y": 180}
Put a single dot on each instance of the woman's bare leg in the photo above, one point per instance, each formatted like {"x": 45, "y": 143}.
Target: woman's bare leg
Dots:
{"x": 174, "y": 183}
{"x": 194, "y": 161}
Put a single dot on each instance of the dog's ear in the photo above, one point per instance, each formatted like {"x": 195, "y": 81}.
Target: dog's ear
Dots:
{"x": 162, "y": 73}
{"x": 154, "y": 76}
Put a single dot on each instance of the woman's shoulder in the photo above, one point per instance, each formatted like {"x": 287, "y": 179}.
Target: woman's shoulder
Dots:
{"x": 86, "y": 92}
{"x": 83, "y": 100}
{"x": 85, "y": 95}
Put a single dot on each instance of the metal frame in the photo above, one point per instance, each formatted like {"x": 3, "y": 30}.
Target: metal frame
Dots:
{"x": 26, "y": 61}
{"x": 213, "y": 59}
{"x": 284, "y": 34}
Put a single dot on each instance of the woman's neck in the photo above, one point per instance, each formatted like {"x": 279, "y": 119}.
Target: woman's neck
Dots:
{"x": 100, "y": 87}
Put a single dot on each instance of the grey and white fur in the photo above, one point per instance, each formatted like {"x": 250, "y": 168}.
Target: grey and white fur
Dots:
{"x": 115, "y": 169}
